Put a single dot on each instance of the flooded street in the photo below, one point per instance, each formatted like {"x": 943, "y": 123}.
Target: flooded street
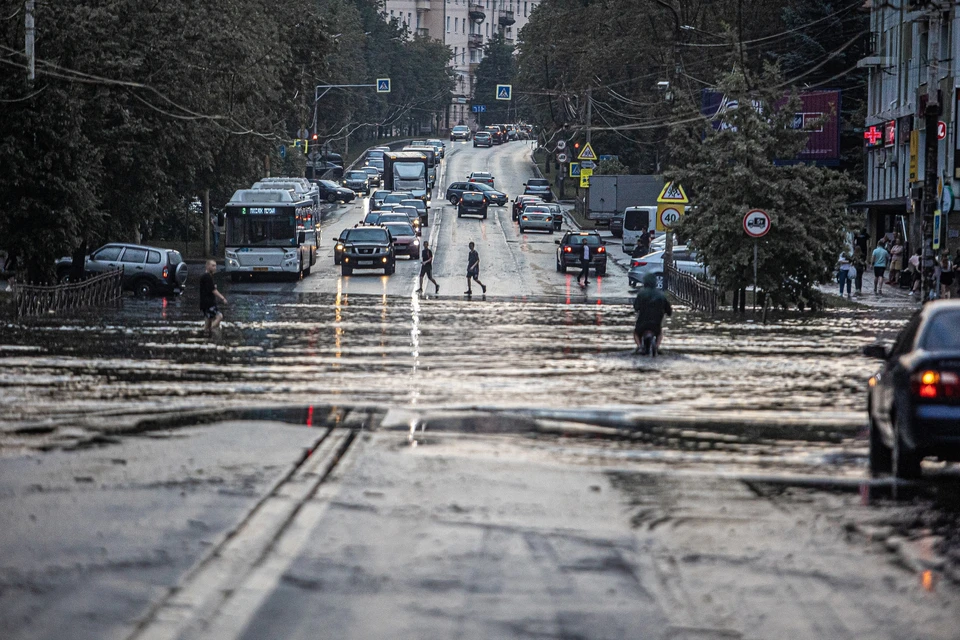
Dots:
{"x": 346, "y": 458}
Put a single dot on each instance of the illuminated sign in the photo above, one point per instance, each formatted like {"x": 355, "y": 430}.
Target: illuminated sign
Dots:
{"x": 872, "y": 136}
{"x": 889, "y": 133}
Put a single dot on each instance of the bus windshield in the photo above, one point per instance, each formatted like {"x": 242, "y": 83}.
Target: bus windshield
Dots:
{"x": 261, "y": 231}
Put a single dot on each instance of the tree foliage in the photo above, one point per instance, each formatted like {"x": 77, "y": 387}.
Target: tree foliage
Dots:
{"x": 137, "y": 109}
{"x": 498, "y": 66}
{"x": 731, "y": 169}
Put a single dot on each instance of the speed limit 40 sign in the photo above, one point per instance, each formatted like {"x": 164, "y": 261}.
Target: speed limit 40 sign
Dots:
{"x": 668, "y": 215}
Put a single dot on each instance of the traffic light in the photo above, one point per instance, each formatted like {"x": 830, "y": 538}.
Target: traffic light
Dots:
{"x": 576, "y": 146}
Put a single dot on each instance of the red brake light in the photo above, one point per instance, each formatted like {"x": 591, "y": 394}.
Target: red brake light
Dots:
{"x": 601, "y": 250}
{"x": 936, "y": 384}
{"x": 567, "y": 250}
{"x": 166, "y": 272}
{"x": 638, "y": 263}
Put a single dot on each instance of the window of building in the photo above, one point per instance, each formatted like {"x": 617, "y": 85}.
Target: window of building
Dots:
{"x": 488, "y": 29}
{"x": 391, "y": 13}
{"x": 455, "y": 55}
{"x": 524, "y": 9}
{"x": 409, "y": 19}
{"x": 456, "y": 25}
{"x": 448, "y": 23}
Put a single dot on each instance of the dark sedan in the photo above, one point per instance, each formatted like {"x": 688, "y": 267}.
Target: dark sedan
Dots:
{"x": 331, "y": 191}
{"x": 914, "y": 400}
{"x": 405, "y": 240}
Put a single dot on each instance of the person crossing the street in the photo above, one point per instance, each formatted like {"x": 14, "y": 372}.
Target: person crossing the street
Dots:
{"x": 209, "y": 295}
{"x": 473, "y": 270}
{"x": 426, "y": 267}
{"x": 584, "y": 264}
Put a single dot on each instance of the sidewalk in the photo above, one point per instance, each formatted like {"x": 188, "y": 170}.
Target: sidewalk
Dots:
{"x": 893, "y": 296}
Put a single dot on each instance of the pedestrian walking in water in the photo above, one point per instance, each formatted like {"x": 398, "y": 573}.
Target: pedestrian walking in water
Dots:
{"x": 473, "y": 270}
{"x": 880, "y": 259}
{"x": 426, "y": 267}
{"x": 209, "y": 297}
{"x": 584, "y": 263}
{"x": 843, "y": 275}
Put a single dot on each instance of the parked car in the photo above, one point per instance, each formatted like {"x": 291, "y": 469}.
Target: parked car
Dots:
{"x": 473, "y": 203}
{"x": 405, "y": 239}
{"x": 357, "y": 181}
{"x": 460, "y": 132}
{"x": 367, "y": 248}
{"x": 332, "y": 192}
{"x": 616, "y": 225}
{"x": 146, "y": 270}
{"x": 536, "y": 216}
{"x": 483, "y": 139}
{"x": 913, "y": 402}
{"x": 456, "y": 189}
{"x": 538, "y": 187}
{"x": 684, "y": 259}
{"x": 483, "y": 177}
{"x": 373, "y": 174}
{"x": 570, "y": 251}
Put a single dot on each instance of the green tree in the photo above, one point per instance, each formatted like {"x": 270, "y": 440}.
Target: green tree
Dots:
{"x": 498, "y": 66}
{"x": 736, "y": 167}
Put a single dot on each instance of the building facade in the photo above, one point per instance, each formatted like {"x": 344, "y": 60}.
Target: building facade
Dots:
{"x": 464, "y": 26}
{"x": 914, "y": 47}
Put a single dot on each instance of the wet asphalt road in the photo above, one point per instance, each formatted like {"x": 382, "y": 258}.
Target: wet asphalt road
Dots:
{"x": 493, "y": 467}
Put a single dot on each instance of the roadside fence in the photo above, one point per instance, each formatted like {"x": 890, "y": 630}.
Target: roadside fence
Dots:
{"x": 31, "y": 299}
{"x": 691, "y": 291}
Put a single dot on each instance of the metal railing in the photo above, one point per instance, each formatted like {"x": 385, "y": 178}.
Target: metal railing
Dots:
{"x": 31, "y": 299}
{"x": 691, "y": 291}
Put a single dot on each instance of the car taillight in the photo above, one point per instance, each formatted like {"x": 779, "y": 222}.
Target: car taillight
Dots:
{"x": 601, "y": 250}
{"x": 567, "y": 250}
{"x": 936, "y": 384}
{"x": 638, "y": 263}
{"x": 166, "y": 273}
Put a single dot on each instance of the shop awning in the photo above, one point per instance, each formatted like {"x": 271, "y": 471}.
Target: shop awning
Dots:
{"x": 899, "y": 205}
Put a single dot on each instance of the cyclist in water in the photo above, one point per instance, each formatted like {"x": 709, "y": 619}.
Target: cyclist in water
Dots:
{"x": 651, "y": 306}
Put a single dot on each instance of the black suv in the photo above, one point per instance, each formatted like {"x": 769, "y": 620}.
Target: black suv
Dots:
{"x": 366, "y": 248}
{"x": 456, "y": 190}
{"x": 331, "y": 191}
{"x": 570, "y": 251}
{"x": 146, "y": 270}
{"x": 473, "y": 203}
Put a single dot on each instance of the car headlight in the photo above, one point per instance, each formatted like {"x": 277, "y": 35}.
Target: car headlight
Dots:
{"x": 339, "y": 247}
{"x": 416, "y": 242}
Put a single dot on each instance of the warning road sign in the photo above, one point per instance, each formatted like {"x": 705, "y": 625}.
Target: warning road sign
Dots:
{"x": 667, "y": 216}
{"x": 756, "y": 223}
{"x": 587, "y": 153}
{"x": 504, "y": 91}
{"x": 383, "y": 85}
{"x": 673, "y": 193}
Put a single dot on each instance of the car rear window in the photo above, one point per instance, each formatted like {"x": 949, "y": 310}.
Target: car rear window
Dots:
{"x": 397, "y": 230}
{"x": 537, "y": 182}
{"x": 473, "y": 196}
{"x": 416, "y": 204}
{"x": 592, "y": 240}
{"x": 636, "y": 220}
{"x": 942, "y": 332}
{"x": 535, "y": 209}
{"x": 366, "y": 235}
{"x": 174, "y": 257}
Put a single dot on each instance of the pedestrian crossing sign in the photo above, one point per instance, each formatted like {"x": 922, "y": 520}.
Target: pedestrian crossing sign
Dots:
{"x": 673, "y": 193}
{"x": 574, "y": 169}
{"x": 587, "y": 153}
{"x": 504, "y": 91}
{"x": 383, "y": 85}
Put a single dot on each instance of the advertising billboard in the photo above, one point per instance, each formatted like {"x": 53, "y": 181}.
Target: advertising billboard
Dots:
{"x": 819, "y": 113}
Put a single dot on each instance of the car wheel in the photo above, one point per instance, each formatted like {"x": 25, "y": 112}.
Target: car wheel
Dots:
{"x": 632, "y": 283}
{"x": 551, "y": 230}
{"x": 143, "y": 288}
{"x": 454, "y": 199}
{"x": 331, "y": 198}
{"x": 63, "y": 276}
{"x": 346, "y": 271}
{"x": 521, "y": 229}
{"x": 336, "y": 261}
{"x": 906, "y": 462}
{"x": 459, "y": 215}
{"x": 881, "y": 457}
{"x": 560, "y": 268}
{"x": 390, "y": 270}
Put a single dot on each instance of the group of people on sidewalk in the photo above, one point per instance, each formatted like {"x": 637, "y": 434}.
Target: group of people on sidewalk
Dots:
{"x": 889, "y": 267}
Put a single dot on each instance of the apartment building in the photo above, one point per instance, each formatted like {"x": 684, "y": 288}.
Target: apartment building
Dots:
{"x": 464, "y": 26}
{"x": 913, "y": 44}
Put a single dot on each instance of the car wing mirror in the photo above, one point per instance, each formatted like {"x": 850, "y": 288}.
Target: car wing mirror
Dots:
{"x": 556, "y": 242}
{"x": 878, "y": 351}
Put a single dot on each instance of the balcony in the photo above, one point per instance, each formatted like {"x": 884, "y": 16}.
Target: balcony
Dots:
{"x": 422, "y": 5}
{"x": 506, "y": 18}
{"x": 423, "y": 32}
{"x": 476, "y": 12}
{"x": 475, "y": 40}
{"x": 508, "y": 40}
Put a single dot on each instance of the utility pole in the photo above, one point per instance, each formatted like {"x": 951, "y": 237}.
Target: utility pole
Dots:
{"x": 931, "y": 116}
{"x": 29, "y": 39}
{"x": 589, "y": 112}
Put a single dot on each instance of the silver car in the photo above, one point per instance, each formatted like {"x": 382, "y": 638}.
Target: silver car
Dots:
{"x": 684, "y": 259}
{"x": 557, "y": 212}
{"x": 536, "y": 217}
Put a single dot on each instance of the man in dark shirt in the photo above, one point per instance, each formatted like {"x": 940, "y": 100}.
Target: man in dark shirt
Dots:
{"x": 643, "y": 245}
{"x": 426, "y": 267}
{"x": 473, "y": 270}
{"x": 209, "y": 296}
{"x": 651, "y": 307}
{"x": 584, "y": 263}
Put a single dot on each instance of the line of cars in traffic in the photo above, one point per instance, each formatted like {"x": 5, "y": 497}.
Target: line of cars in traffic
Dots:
{"x": 492, "y": 134}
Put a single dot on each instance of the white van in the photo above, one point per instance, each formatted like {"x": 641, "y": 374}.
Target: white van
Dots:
{"x": 635, "y": 220}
